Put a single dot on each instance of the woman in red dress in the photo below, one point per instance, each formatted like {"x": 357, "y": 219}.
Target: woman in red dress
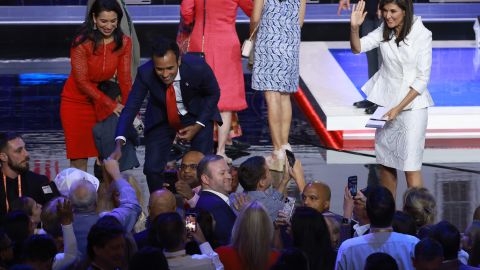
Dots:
{"x": 99, "y": 52}
{"x": 217, "y": 37}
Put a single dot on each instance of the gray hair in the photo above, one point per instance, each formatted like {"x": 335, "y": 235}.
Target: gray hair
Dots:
{"x": 83, "y": 196}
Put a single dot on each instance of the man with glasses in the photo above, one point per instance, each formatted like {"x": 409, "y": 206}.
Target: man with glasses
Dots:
{"x": 188, "y": 185}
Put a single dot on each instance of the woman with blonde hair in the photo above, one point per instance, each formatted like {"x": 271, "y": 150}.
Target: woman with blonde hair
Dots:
{"x": 250, "y": 247}
{"x": 420, "y": 204}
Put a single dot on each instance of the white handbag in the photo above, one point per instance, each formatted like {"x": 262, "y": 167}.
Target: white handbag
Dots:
{"x": 247, "y": 46}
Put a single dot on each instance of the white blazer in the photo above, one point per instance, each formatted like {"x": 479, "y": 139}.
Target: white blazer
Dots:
{"x": 403, "y": 67}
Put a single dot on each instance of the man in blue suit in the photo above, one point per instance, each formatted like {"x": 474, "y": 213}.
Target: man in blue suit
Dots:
{"x": 216, "y": 180}
{"x": 183, "y": 96}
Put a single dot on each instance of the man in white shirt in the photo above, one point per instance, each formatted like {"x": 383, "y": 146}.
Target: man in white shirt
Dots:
{"x": 172, "y": 234}
{"x": 380, "y": 210}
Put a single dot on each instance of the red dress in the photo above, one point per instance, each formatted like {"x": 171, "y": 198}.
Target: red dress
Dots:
{"x": 231, "y": 261}
{"x": 82, "y": 104}
{"x": 221, "y": 47}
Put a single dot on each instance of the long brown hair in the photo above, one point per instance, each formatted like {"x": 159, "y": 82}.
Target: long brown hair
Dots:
{"x": 252, "y": 236}
{"x": 405, "y": 5}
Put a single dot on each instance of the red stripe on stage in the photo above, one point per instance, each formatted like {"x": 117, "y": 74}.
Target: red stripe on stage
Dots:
{"x": 331, "y": 139}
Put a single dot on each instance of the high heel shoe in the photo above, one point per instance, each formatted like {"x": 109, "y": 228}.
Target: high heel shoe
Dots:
{"x": 276, "y": 161}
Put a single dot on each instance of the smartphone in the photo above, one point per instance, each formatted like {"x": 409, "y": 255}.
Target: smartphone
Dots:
{"x": 191, "y": 222}
{"x": 170, "y": 178}
{"x": 289, "y": 205}
{"x": 290, "y": 157}
{"x": 352, "y": 185}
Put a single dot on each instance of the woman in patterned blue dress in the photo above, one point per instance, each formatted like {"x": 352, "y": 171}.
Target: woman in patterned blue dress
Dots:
{"x": 275, "y": 70}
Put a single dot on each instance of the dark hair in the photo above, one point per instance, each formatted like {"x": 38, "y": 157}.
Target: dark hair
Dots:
{"x": 5, "y": 137}
{"x": 380, "y": 261}
{"x": 50, "y": 221}
{"x": 425, "y": 231}
{"x": 86, "y": 31}
{"x": 251, "y": 171}
{"x": 202, "y": 167}
{"x": 17, "y": 226}
{"x": 23, "y": 204}
{"x": 404, "y": 223}
{"x": 310, "y": 234}
{"x": 291, "y": 258}
{"x": 449, "y": 237}
{"x": 148, "y": 258}
{"x": 107, "y": 228}
{"x": 39, "y": 248}
{"x": 162, "y": 45}
{"x": 205, "y": 221}
{"x": 405, "y": 5}
{"x": 170, "y": 230}
{"x": 380, "y": 207}
{"x": 428, "y": 249}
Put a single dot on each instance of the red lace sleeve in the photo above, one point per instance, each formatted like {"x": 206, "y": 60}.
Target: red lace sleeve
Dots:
{"x": 79, "y": 57}
{"x": 124, "y": 74}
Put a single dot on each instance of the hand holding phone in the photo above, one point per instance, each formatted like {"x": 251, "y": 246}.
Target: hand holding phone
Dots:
{"x": 288, "y": 207}
{"x": 290, "y": 157}
{"x": 352, "y": 185}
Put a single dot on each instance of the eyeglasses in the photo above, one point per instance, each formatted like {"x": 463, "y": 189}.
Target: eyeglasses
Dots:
{"x": 190, "y": 166}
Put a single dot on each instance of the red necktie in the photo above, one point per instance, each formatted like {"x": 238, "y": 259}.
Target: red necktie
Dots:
{"x": 172, "y": 111}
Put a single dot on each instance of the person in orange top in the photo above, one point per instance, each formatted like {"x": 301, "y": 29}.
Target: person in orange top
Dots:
{"x": 100, "y": 51}
{"x": 251, "y": 243}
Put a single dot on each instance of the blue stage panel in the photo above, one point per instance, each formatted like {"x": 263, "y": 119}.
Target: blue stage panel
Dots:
{"x": 454, "y": 79}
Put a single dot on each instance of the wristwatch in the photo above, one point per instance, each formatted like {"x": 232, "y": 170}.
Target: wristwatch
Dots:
{"x": 346, "y": 220}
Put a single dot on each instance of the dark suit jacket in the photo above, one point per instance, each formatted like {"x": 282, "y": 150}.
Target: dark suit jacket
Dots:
{"x": 222, "y": 213}
{"x": 200, "y": 94}
{"x": 32, "y": 186}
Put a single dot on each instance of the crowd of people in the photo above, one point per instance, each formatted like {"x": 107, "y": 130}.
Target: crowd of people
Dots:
{"x": 209, "y": 219}
{"x": 205, "y": 213}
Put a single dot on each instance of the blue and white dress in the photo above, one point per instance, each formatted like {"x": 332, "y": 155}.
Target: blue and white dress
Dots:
{"x": 277, "y": 47}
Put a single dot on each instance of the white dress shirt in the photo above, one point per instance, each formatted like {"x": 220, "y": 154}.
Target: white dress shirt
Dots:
{"x": 208, "y": 260}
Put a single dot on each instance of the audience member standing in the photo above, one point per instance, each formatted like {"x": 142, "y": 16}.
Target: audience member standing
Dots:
{"x": 216, "y": 181}
{"x": 17, "y": 179}
{"x": 380, "y": 210}
{"x": 215, "y": 35}
{"x": 252, "y": 235}
{"x": 276, "y": 66}
{"x": 100, "y": 51}
{"x": 400, "y": 86}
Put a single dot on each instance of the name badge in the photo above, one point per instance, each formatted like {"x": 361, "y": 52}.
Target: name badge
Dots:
{"x": 47, "y": 190}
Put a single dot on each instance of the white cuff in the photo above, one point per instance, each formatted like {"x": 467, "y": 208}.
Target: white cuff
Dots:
{"x": 121, "y": 138}
{"x": 200, "y": 123}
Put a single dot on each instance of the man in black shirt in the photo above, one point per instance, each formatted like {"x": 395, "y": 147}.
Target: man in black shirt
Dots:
{"x": 17, "y": 179}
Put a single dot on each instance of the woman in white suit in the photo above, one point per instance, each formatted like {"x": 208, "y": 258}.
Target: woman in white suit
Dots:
{"x": 400, "y": 86}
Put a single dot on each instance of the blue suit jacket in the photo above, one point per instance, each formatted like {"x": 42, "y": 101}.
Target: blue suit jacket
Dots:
{"x": 200, "y": 95}
{"x": 222, "y": 213}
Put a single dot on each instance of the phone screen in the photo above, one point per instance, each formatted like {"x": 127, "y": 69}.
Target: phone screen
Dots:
{"x": 352, "y": 185}
{"x": 191, "y": 222}
{"x": 290, "y": 157}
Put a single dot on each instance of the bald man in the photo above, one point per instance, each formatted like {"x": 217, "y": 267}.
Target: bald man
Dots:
{"x": 188, "y": 185}
{"x": 317, "y": 195}
{"x": 161, "y": 201}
